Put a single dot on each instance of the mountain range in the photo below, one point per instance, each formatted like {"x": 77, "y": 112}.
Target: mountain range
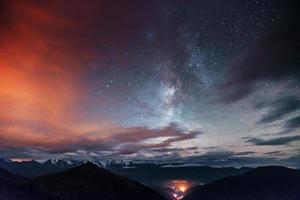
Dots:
{"x": 87, "y": 181}
{"x": 74, "y": 180}
{"x": 13, "y": 187}
{"x": 262, "y": 183}
{"x": 150, "y": 173}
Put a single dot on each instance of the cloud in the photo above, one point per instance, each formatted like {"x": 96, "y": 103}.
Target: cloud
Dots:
{"x": 114, "y": 140}
{"x": 160, "y": 139}
{"x": 275, "y": 58}
{"x": 274, "y": 141}
{"x": 293, "y": 123}
{"x": 281, "y": 108}
{"x": 39, "y": 83}
{"x": 294, "y": 160}
{"x": 273, "y": 153}
{"x": 230, "y": 158}
{"x": 238, "y": 159}
{"x": 171, "y": 150}
{"x": 244, "y": 153}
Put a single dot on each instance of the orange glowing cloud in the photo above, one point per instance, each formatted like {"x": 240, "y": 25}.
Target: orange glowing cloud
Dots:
{"x": 39, "y": 71}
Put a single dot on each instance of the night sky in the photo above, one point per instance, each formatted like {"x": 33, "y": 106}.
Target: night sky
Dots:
{"x": 213, "y": 82}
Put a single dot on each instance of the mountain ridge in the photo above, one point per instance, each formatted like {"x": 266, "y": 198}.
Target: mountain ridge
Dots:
{"x": 261, "y": 183}
{"x": 149, "y": 172}
{"x": 88, "y": 181}
{"x": 13, "y": 187}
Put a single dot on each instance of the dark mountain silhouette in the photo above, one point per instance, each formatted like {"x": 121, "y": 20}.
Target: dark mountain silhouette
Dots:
{"x": 13, "y": 187}
{"x": 262, "y": 183}
{"x": 90, "y": 182}
{"x": 9, "y": 177}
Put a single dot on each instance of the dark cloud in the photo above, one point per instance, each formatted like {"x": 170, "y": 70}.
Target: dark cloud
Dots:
{"x": 273, "y": 153}
{"x": 125, "y": 141}
{"x": 134, "y": 140}
{"x": 229, "y": 158}
{"x": 171, "y": 150}
{"x": 275, "y": 57}
{"x": 294, "y": 160}
{"x": 280, "y": 108}
{"x": 244, "y": 153}
{"x": 162, "y": 146}
{"x": 273, "y": 141}
{"x": 293, "y": 123}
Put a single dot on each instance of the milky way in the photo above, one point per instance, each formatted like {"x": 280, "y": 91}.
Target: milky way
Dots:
{"x": 214, "y": 82}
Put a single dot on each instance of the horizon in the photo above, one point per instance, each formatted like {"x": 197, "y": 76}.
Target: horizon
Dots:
{"x": 161, "y": 163}
{"x": 214, "y": 83}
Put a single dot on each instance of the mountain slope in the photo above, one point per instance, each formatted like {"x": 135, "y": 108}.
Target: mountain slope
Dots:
{"x": 13, "y": 187}
{"x": 263, "y": 183}
{"x": 9, "y": 177}
{"x": 90, "y": 182}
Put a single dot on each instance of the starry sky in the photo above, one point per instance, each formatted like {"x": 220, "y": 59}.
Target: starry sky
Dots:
{"x": 212, "y": 82}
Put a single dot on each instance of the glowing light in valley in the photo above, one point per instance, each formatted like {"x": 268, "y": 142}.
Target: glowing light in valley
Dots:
{"x": 182, "y": 188}
{"x": 179, "y": 188}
